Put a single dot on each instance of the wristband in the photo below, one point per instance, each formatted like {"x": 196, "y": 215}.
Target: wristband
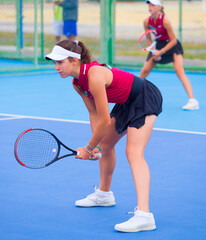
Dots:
{"x": 90, "y": 147}
{"x": 99, "y": 148}
{"x": 88, "y": 150}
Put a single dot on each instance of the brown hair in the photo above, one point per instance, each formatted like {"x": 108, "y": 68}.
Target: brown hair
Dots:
{"x": 162, "y": 10}
{"x": 77, "y": 47}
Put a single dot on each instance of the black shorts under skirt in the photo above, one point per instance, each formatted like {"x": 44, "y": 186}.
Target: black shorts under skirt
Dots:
{"x": 168, "y": 56}
{"x": 148, "y": 101}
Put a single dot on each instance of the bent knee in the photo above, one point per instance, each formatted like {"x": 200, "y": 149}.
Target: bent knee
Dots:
{"x": 136, "y": 154}
{"x": 107, "y": 148}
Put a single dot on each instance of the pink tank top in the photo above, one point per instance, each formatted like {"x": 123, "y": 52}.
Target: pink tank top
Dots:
{"x": 159, "y": 27}
{"x": 119, "y": 89}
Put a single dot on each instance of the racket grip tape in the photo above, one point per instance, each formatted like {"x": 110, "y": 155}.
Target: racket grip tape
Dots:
{"x": 99, "y": 155}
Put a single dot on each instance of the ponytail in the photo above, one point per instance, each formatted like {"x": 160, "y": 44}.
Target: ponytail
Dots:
{"x": 162, "y": 10}
{"x": 86, "y": 56}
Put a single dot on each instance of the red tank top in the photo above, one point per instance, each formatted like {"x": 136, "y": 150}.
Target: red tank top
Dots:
{"x": 117, "y": 92}
{"x": 159, "y": 27}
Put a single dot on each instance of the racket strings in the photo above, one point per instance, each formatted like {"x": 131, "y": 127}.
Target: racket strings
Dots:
{"x": 147, "y": 40}
{"x": 37, "y": 148}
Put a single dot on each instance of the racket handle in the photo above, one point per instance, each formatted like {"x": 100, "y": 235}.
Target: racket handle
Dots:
{"x": 99, "y": 155}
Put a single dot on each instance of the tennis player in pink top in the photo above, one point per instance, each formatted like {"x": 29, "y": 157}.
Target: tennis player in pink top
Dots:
{"x": 138, "y": 103}
{"x": 169, "y": 49}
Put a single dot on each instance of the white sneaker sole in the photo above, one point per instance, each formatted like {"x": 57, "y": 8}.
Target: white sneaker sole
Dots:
{"x": 97, "y": 205}
{"x": 190, "y": 109}
{"x": 150, "y": 228}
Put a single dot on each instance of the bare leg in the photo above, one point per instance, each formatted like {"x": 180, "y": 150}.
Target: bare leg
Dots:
{"x": 137, "y": 140}
{"x": 179, "y": 69}
{"x": 108, "y": 160}
{"x": 147, "y": 68}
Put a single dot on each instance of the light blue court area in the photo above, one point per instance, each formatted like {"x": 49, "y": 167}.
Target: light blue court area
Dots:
{"x": 8, "y": 66}
{"x": 39, "y": 204}
{"x": 48, "y": 95}
{"x": 5, "y": 63}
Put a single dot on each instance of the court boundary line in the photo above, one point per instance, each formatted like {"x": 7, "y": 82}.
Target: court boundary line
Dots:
{"x": 4, "y": 119}
{"x": 14, "y": 117}
{"x": 11, "y": 118}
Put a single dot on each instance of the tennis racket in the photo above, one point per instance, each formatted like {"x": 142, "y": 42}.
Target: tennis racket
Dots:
{"x": 38, "y": 148}
{"x": 147, "y": 41}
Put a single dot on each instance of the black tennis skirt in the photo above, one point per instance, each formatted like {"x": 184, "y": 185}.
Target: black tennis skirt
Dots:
{"x": 168, "y": 56}
{"x": 141, "y": 102}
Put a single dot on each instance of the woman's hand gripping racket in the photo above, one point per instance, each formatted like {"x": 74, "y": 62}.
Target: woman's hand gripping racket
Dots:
{"x": 147, "y": 41}
{"x": 38, "y": 148}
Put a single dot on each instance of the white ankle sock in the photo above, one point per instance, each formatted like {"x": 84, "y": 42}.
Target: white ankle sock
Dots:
{"x": 102, "y": 193}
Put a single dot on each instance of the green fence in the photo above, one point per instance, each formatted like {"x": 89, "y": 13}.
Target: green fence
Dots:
{"x": 21, "y": 30}
{"x": 109, "y": 28}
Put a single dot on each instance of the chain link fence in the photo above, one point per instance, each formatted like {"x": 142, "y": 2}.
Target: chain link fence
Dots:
{"x": 26, "y": 28}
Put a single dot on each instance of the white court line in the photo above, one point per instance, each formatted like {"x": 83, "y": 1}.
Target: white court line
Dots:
{"x": 87, "y": 122}
{"x": 3, "y": 119}
{"x": 43, "y": 118}
{"x": 10, "y": 118}
{"x": 180, "y": 131}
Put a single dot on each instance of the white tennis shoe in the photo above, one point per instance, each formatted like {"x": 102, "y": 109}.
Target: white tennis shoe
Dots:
{"x": 141, "y": 221}
{"x": 192, "y": 104}
{"x": 97, "y": 199}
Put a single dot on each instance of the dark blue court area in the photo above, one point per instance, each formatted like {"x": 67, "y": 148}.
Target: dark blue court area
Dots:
{"x": 39, "y": 204}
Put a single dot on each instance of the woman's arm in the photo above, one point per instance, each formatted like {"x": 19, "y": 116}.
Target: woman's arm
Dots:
{"x": 90, "y": 105}
{"x": 173, "y": 40}
{"x": 145, "y": 24}
{"x": 98, "y": 79}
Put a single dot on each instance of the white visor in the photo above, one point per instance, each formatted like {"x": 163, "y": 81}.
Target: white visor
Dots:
{"x": 154, "y": 2}
{"x": 59, "y": 53}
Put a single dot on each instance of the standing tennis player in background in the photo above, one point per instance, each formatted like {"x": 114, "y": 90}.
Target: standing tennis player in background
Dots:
{"x": 138, "y": 103}
{"x": 169, "y": 49}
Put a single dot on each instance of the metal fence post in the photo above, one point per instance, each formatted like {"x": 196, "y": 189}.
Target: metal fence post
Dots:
{"x": 107, "y": 30}
{"x": 180, "y": 20}
{"x": 42, "y": 30}
{"x": 36, "y": 33}
{"x": 18, "y": 27}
